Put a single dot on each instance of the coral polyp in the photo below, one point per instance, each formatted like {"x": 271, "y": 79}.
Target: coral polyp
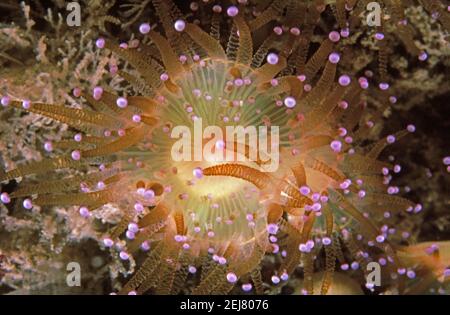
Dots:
{"x": 227, "y": 151}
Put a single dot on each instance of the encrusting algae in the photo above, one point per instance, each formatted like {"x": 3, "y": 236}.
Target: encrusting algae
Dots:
{"x": 209, "y": 226}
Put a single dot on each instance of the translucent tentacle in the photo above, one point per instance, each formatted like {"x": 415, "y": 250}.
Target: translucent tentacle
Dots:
{"x": 274, "y": 10}
{"x": 382, "y": 144}
{"x": 169, "y": 58}
{"x": 330, "y": 263}
{"x": 131, "y": 137}
{"x": 215, "y": 26}
{"x": 367, "y": 226}
{"x": 318, "y": 59}
{"x": 146, "y": 270}
{"x": 137, "y": 59}
{"x": 44, "y": 166}
{"x": 245, "y": 51}
{"x": 82, "y": 199}
{"x": 257, "y": 281}
{"x": 268, "y": 71}
{"x": 209, "y": 44}
{"x": 156, "y": 215}
{"x": 259, "y": 179}
{"x": 74, "y": 117}
{"x": 308, "y": 270}
{"x": 61, "y": 185}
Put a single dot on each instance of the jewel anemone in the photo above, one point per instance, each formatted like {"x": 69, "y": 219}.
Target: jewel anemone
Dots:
{"x": 328, "y": 195}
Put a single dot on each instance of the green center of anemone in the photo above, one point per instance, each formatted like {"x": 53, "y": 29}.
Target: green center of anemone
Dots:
{"x": 221, "y": 94}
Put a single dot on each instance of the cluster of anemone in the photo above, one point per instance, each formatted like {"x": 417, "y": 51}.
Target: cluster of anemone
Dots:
{"x": 330, "y": 200}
